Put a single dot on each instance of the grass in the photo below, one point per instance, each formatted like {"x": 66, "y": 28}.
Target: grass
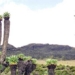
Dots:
{"x": 63, "y": 62}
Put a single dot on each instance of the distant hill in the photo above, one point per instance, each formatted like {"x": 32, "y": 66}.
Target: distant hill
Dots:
{"x": 43, "y": 51}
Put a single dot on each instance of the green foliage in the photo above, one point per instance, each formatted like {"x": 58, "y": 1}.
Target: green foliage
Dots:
{"x": 1, "y": 66}
{"x": 7, "y": 70}
{"x": 41, "y": 69}
{"x": 34, "y": 60}
{"x": 65, "y": 72}
{"x": 0, "y": 17}
{"x": 72, "y": 68}
{"x": 6, "y": 14}
{"x": 51, "y": 61}
{"x": 12, "y": 59}
{"x": 21, "y": 56}
{"x": 60, "y": 67}
{"x": 27, "y": 58}
{"x": 58, "y": 72}
{"x": 7, "y": 59}
{"x": 44, "y": 51}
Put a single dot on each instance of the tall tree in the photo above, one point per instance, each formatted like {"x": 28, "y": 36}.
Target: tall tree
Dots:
{"x": 6, "y": 35}
{"x": 0, "y": 28}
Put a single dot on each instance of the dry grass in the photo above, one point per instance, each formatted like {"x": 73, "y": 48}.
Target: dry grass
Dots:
{"x": 67, "y": 62}
{"x": 63, "y": 62}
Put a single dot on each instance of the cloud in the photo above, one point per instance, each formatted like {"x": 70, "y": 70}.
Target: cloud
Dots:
{"x": 50, "y": 25}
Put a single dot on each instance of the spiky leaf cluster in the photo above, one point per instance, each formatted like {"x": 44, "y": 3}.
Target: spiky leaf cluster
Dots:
{"x": 51, "y": 61}
{"x": 6, "y": 14}
{"x": 34, "y": 60}
{"x": 12, "y": 59}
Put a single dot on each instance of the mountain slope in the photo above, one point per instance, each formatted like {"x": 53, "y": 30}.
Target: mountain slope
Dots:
{"x": 44, "y": 50}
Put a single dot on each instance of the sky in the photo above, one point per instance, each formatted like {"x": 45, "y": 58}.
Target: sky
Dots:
{"x": 40, "y": 21}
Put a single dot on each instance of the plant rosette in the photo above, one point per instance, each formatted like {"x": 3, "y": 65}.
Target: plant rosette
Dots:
{"x": 0, "y": 17}
{"x": 12, "y": 60}
{"x": 27, "y": 58}
{"x": 6, "y": 15}
{"x": 34, "y": 60}
{"x": 51, "y": 62}
{"x": 7, "y": 59}
{"x": 21, "y": 56}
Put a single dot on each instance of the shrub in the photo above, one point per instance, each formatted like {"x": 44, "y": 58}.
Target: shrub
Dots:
{"x": 60, "y": 67}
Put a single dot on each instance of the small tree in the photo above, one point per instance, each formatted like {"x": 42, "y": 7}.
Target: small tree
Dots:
{"x": 6, "y": 17}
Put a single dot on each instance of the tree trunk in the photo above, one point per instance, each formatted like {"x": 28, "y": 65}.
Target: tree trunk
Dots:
{"x": 28, "y": 68}
{"x": 5, "y": 39}
{"x": 21, "y": 67}
{"x": 13, "y": 69}
{"x": 51, "y": 72}
{"x": 33, "y": 67}
{"x": 51, "y": 69}
{"x": 0, "y": 31}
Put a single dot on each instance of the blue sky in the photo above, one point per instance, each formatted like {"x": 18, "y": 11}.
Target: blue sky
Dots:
{"x": 45, "y": 21}
{"x": 35, "y": 4}
{"x": 39, "y": 4}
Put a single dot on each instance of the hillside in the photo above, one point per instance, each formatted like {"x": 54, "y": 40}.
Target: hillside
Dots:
{"x": 44, "y": 50}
